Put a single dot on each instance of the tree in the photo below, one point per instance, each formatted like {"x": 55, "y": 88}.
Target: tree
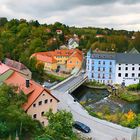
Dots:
{"x": 13, "y": 118}
{"x": 60, "y": 125}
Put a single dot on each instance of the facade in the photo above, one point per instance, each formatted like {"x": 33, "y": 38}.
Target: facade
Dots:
{"x": 39, "y": 100}
{"x": 75, "y": 61}
{"x": 127, "y": 68}
{"x": 114, "y": 68}
{"x": 101, "y": 67}
{"x": 72, "y": 43}
{"x": 54, "y": 59}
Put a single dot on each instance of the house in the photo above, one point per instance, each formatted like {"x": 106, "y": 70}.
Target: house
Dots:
{"x": 47, "y": 59}
{"x": 75, "y": 60}
{"x": 114, "y": 68}
{"x": 39, "y": 99}
{"x": 19, "y": 67}
{"x": 54, "y": 59}
{"x": 72, "y": 43}
{"x": 59, "y": 32}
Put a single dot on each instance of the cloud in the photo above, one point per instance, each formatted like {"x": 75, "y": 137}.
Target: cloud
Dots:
{"x": 102, "y": 13}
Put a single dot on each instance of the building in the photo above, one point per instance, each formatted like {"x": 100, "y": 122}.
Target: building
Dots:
{"x": 101, "y": 67}
{"x": 127, "y": 68}
{"x": 114, "y": 68}
{"x": 75, "y": 60}
{"x": 19, "y": 67}
{"x": 39, "y": 99}
{"x": 54, "y": 59}
{"x": 72, "y": 43}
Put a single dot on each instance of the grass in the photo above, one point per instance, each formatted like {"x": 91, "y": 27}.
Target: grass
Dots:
{"x": 129, "y": 96}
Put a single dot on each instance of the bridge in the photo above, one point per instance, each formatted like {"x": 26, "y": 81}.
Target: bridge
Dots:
{"x": 71, "y": 83}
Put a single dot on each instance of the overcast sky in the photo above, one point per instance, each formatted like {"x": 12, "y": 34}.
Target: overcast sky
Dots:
{"x": 117, "y": 14}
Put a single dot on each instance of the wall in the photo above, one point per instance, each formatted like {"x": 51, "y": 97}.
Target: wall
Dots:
{"x": 43, "y": 108}
{"x": 128, "y": 80}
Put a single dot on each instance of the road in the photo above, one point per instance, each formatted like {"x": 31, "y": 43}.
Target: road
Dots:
{"x": 65, "y": 86}
{"x": 100, "y": 129}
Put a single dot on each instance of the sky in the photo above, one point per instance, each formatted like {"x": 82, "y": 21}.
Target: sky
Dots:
{"x": 117, "y": 14}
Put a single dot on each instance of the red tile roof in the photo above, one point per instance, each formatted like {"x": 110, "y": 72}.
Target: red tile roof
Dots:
{"x": 49, "y": 56}
{"x": 33, "y": 91}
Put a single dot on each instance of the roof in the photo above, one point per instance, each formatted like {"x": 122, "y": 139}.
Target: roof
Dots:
{"x": 108, "y": 56}
{"x": 134, "y": 51}
{"x": 44, "y": 57}
{"x": 127, "y": 58}
{"x": 122, "y": 58}
{"x": 14, "y": 64}
{"x": 77, "y": 53}
{"x": 33, "y": 91}
{"x": 3, "y": 68}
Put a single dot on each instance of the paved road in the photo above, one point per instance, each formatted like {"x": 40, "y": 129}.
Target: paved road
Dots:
{"x": 101, "y": 130}
{"x": 65, "y": 86}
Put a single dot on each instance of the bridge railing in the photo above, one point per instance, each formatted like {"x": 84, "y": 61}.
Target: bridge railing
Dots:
{"x": 72, "y": 88}
{"x": 61, "y": 82}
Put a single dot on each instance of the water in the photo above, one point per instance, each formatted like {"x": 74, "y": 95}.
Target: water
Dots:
{"x": 100, "y": 99}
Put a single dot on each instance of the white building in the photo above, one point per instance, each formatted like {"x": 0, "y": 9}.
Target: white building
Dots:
{"x": 127, "y": 68}
{"x": 72, "y": 44}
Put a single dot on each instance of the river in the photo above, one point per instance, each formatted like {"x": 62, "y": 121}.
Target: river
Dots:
{"x": 99, "y": 99}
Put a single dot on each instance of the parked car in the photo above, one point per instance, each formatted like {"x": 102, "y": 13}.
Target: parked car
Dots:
{"x": 82, "y": 127}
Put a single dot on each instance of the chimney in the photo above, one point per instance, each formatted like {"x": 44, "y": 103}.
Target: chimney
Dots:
{"x": 27, "y": 83}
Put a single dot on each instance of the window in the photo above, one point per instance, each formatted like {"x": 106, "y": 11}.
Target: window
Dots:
{"x": 77, "y": 62}
{"x": 133, "y": 74}
{"x": 119, "y": 64}
{"x": 139, "y": 68}
{"x": 110, "y": 69}
{"x": 98, "y": 68}
{"x": 50, "y": 100}
{"x": 34, "y": 105}
{"x": 103, "y": 69}
{"x": 119, "y": 74}
{"x": 92, "y": 68}
{"x": 119, "y": 68}
{"x": 133, "y": 64}
{"x": 109, "y": 76}
{"x": 40, "y": 103}
{"x": 110, "y": 63}
{"x": 99, "y": 62}
{"x": 92, "y": 75}
{"x": 133, "y": 68}
{"x": 42, "y": 123}
{"x": 103, "y": 76}
{"x": 103, "y": 62}
{"x": 98, "y": 75}
{"x": 42, "y": 113}
{"x": 126, "y": 68}
{"x": 139, "y": 75}
{"x": 46, "y": 101}
{"x": 126, "y": 74}
{"x": 126, "y": 64}
{"x": 34, "y": 116}
{"x": 92, "y": 61}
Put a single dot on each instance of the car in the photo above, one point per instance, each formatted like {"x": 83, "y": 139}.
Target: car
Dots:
{"x": 82, "y": 127}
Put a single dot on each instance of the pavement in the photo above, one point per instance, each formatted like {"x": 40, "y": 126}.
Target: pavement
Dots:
{"x": 100, "y": 129}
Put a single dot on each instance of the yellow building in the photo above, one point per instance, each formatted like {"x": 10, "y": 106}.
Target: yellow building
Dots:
{"x": 52, "y": 59}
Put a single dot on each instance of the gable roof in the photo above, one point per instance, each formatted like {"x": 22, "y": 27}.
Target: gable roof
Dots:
{"x": 33, "y": 91}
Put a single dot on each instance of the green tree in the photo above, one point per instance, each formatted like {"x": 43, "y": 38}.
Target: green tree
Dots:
{"x": 60, "y": 125}
{"x": 13, "y": 118}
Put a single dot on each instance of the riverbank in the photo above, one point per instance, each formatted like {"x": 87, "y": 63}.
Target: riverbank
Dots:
{"x": 95, "y": 85}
